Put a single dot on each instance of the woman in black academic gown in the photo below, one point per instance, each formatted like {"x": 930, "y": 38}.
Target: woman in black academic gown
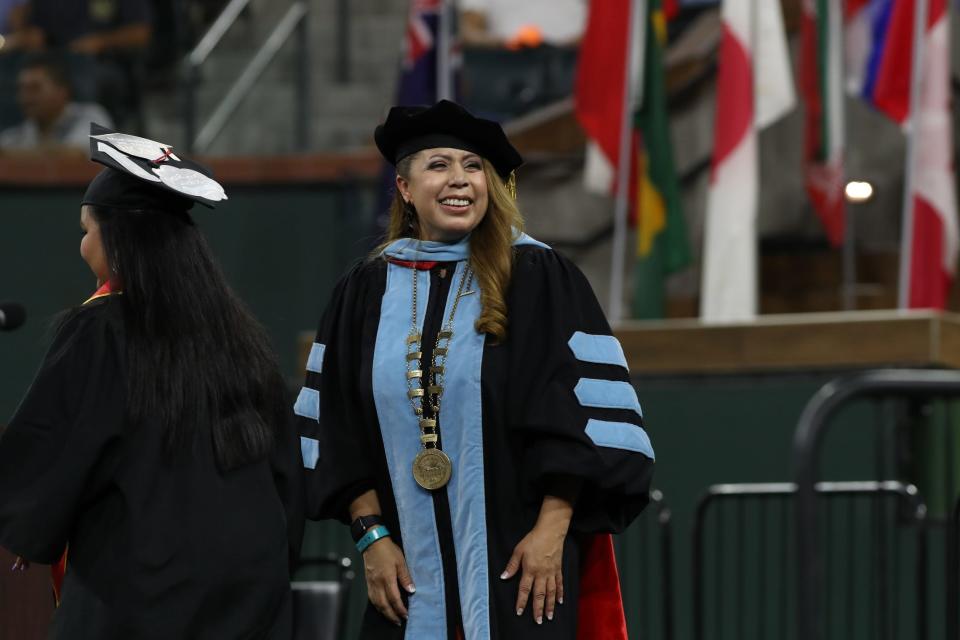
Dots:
{"x": 153, "y": 446}
{"x": 467, "y": 410}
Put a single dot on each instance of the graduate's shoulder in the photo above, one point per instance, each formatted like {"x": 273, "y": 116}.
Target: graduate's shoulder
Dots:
{"x": 541, "y": 259}
{"x": 357, "y": 281}
{"x": 543, "y": 276}
{"x": 369, "y": 266}
{"x": 362, "y": 272}
{"x": 101, "y": 313}
{"x": 92, "y": 322}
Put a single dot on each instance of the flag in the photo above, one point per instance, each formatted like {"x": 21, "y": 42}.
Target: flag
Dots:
{"x": 754, "y": 88}
{"x": 418, "y": 73}
{"x": 890, "y": 92}
{"x": 821, "y": 86}
{"x": 598, "y": 92}
{"x": 865, "y": 33}
{"x": 931, "y": 254}
{"x": 671, "y": 8}
{"x": 599, "y": 89}
{"x": 662, "y": 243}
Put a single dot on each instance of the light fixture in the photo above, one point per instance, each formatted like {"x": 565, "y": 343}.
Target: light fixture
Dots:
{"x": 858, "y": 191}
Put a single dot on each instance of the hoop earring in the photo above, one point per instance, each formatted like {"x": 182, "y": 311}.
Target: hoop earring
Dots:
{"x": 409, "y": 215}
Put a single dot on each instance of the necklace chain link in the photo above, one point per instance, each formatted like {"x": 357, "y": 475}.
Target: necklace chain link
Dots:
{"x": 422, "y": 397}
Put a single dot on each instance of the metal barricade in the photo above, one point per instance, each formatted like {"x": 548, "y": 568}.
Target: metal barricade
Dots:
{"x": 953, "y": 574}
{"x": 742, "y": 561}
{"x": 918, "y": 391}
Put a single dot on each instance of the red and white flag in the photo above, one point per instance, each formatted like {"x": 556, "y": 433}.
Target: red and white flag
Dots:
{"x": 929, "y": 258}
{"x": 821, "y": 88}
{"x": 754, "y": 89}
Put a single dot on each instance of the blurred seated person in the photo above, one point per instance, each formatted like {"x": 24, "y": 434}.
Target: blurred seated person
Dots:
{"x": 8, "y": 14}
{"x": 12, "y": 13}
{"x": 91, "y": 27}
{"x": 107, "y": 41}
{"x": 515, "y": 25}
{"x": 52, "y": 121}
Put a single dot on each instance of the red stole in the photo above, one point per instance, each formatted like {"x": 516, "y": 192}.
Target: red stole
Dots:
{"x": 105, "y": 290}
{"x": 420, "y": 265}
{"x": 600, "y": 611}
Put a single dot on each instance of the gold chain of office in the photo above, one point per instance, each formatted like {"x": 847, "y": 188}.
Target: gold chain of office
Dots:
{"x": 432, "y": 467}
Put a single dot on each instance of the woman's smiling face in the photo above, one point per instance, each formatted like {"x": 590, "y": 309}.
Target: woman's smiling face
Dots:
{"x": 448, "y": 188}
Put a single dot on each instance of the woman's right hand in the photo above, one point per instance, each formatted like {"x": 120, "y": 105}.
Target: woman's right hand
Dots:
{"x": 386, "y": 572}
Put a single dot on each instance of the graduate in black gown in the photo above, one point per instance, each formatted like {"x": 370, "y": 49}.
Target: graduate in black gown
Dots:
{"x": 154, "y": 446}
{"x": 466, "y": 408}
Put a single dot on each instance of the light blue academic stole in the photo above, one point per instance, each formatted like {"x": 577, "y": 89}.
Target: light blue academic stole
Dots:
{"x": 461, "y": 420}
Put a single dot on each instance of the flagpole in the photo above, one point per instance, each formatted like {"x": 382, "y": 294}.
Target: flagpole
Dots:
{"x": 837, "y": 46}
{"x": 636, "y": 32}
{"x": 849, "y": 258}
{"x": 906, "y": 233}
{"x": 444, "y": 39}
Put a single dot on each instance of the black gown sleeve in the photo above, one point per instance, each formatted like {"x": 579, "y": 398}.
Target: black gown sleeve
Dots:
{"x": 336, "y": 466}
{"x": 50, "y": 450}
{"x": 285, "y": 462}
{"x": 575, "y": 409}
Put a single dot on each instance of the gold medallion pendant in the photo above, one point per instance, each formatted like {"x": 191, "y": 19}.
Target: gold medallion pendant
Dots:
{"x": 432, "y": 469}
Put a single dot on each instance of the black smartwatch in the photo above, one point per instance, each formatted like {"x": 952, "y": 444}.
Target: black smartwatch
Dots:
{"x": 359, "y": 526}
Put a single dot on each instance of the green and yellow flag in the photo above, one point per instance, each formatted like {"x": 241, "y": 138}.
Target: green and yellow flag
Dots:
{"x": 662, "y": 243}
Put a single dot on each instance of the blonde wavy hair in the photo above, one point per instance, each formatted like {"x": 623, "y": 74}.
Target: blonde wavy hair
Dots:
{"x": 491, "y": 244}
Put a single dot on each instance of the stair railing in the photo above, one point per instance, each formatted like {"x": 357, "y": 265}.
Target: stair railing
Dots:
{"x": 293, "y": 23}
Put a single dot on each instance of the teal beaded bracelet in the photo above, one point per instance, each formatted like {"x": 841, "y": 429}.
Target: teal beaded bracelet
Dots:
{"x": 371, "y": 536}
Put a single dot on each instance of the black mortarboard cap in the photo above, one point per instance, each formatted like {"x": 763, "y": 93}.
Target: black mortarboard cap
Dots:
{"x": 145, "y": 174}
{"x": 445, "y": 124}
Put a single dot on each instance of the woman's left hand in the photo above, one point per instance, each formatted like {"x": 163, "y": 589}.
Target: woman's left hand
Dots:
{"x": 540, "y": 555}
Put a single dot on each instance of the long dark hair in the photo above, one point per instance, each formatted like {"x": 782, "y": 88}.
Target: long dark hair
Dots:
{"x": 196, "y": 358}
